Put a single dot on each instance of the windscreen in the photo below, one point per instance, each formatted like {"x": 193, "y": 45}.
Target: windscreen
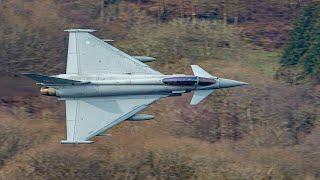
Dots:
{"x": 206, "y": 81}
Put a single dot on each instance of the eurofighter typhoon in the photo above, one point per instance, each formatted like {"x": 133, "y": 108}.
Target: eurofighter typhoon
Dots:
{"x": 104, "y": 86}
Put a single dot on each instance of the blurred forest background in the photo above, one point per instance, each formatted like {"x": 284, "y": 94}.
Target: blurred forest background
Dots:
{"x": 268, "y": 130}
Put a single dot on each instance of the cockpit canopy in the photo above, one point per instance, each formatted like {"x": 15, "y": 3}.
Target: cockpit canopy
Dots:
{"x": 189, "y": 81}
{"x": 206, "y": 81}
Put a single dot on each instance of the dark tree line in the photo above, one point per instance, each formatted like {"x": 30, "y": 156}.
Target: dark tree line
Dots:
{"x": 303, "y": 48}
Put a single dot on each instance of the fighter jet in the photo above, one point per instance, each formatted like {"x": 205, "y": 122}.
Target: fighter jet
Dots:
{"x": 104, "y": 86}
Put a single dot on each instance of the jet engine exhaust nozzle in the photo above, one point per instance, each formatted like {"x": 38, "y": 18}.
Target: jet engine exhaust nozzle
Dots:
{"x": 48, "y": 91}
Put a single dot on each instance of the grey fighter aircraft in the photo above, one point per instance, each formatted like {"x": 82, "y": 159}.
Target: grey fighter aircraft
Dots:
{"x": 104, "y": 86}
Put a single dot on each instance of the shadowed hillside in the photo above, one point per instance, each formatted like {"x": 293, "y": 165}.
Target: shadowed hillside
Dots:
{"x": 267, "y": 130}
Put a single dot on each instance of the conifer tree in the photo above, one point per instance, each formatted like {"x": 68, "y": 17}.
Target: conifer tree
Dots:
{"x": 304, "y": 47}
{"x": 298, "y": 44}
{"x": 311, "y": 59}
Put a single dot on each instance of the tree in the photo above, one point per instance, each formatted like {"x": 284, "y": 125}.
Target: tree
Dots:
{"x": 298, "y": 44}
{"x": 311, "y": 58}
{"x": 304, "y": 46}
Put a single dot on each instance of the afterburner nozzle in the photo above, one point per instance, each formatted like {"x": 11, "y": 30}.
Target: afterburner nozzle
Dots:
{"x": 226, "y": 83}
{"x": 48, "y": 91}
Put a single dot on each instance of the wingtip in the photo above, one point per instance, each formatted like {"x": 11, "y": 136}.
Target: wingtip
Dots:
{"x": 26, "y": 74}
{"x": 75, "y": 142}
{"x": 193, "y": 104}
{"x": 80, "y": 30}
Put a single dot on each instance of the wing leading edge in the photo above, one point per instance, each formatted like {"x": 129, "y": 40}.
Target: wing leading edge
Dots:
{"x": 88, "y": 54}
{"x": 88, "y": 117}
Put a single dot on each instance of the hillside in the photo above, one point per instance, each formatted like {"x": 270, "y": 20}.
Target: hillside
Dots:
{"x": 268, "y": 130}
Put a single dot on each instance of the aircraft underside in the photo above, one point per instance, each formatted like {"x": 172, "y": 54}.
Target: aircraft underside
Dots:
{"x": 104, "y": 86}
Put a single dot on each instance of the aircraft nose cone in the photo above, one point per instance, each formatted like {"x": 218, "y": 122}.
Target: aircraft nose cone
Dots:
{"x": 226, "y": 83}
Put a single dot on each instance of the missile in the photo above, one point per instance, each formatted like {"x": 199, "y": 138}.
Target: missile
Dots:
{"x": 108, "y": 40}
{"x": 140, "y": 117}
{"x": 144, "y": 58}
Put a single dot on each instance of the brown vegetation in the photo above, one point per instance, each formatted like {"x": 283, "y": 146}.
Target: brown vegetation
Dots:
{"x": 267, "y": 130}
